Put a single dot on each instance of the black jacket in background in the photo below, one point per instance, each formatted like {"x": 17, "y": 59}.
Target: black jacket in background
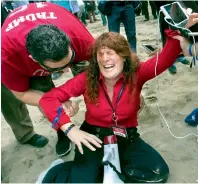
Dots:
{"x": 6, "y": 8}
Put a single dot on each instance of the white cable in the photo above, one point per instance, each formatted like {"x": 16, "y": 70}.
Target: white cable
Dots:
{"x": 157, "y": 88}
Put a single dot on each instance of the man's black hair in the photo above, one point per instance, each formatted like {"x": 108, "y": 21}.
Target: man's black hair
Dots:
{"x": 47, "y": 42}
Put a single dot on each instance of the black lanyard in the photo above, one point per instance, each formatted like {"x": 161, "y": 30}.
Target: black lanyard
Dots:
{"x": 114, "y": 117}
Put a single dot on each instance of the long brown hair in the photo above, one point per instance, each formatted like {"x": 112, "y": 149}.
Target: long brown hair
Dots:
{"x": 120, "y": 45}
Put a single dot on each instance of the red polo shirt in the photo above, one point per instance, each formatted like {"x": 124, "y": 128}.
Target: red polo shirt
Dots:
{"x": 101, "y": 114}
{"x": 16, "y": 64}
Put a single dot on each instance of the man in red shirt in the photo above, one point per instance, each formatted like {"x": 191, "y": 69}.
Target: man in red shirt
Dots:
{"x": 37, "y": 40}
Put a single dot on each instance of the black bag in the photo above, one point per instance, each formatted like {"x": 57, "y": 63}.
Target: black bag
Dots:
{"x": 6, "y": 8}
{"x": 137, "y": 5}
{"x": 105, "y": 7}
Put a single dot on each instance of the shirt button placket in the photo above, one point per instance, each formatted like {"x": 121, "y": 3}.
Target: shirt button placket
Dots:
{"x": 97, "y": 130}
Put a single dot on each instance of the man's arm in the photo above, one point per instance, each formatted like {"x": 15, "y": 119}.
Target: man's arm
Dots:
{"x": 30, "y": 97}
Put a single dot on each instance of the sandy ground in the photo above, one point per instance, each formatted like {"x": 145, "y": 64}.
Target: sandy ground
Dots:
{"x": 177, "y": 97}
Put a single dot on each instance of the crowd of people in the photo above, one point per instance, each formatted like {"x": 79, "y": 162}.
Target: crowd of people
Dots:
{"x": 107, "y": 72}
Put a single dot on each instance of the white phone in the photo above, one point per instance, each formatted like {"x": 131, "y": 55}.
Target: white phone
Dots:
{"x": 176, "y": 13}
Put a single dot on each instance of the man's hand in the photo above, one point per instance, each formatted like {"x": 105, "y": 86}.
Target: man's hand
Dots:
{"x": 184, "y": 44}
{"x": 71, "y": 107}
{"x": 193, "y": 19}
{"x": 80, "y": 137}
{"x": 30, "y": 97}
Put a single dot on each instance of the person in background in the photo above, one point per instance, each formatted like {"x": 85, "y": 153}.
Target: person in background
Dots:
{"x": 81, "y": 13}
{"x": 103, "y": 17}
{"x": 75, "y": 7}
{"x": 36, "y": 1}
{"x": 19, "y": 3}
{"x": 83, "y": 17}
{"x": 138, "y": 12}
{"x": 6, "y": 8}
{"x": 123, "y": 11}
{"x": 90, "y": 8}
{"x": 48, "y": 43}
{"x": 70, "y": 5}
{"x": 145, "y": 11}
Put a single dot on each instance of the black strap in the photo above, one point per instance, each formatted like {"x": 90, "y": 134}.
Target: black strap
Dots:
{"x": 120, "y": 175}
{"x": 118, "y": 98}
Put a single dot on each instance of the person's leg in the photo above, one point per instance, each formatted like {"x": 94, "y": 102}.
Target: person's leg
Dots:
{"x": 76, "y": 14}
{"x": 173, "y": 69}
{"x": 153, "y": 9}
{"x": 81, "y": 9}
{"x": 182, "y": 60}
{"x": 87, "y": 167}
{"x": 83, "y": 18}
{"x": 16, "y": 115}
{"x": 138, "y": 12}
{"x": 45, "y": 172}
{"x": 63, "y": 145}
{"x": 104, "y": 20}
{"x": 145, "y": 10}
{"x": 90, "y": 17}
{"x": 79, "y": 67}
{"x": 141, "y": 163}
{"x": 58, "y": 173}
{"x": 45, "y": 84}
{"x": 129, "y": 24}
{"x": 114, "y": 19}
{"x": 94, "y": 16}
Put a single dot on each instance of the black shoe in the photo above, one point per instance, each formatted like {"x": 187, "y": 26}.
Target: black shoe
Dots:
{"x": 37, "y": 141}
{"x": 63, "y": 146}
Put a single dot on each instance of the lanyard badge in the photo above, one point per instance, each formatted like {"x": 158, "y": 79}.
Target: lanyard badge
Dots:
{"x": 120, "y": 131}
{"x": 117, "y": 129}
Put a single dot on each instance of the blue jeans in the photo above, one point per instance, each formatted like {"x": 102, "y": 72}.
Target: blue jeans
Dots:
{"x": 126, "y": 15}
{"x": 104, "y": 20}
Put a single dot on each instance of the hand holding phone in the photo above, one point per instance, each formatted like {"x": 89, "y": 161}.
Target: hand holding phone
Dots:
{"x": 193, "y": 19}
